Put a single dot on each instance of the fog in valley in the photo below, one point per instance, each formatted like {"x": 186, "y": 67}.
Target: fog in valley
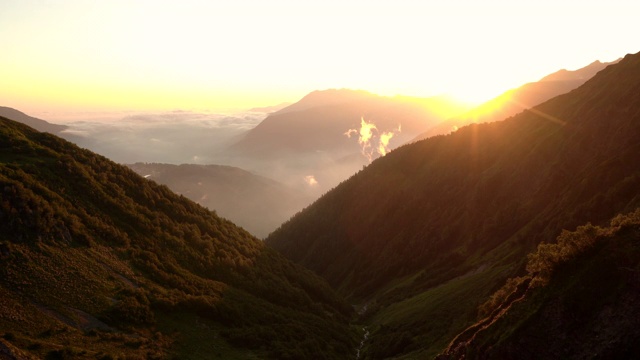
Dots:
{"x": 260, "y": 167}
{"x": 273, "y": 160}
{"x": 171, "y": 137}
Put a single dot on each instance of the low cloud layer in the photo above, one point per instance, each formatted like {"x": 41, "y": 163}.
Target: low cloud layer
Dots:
{"x": 171, "y": 137}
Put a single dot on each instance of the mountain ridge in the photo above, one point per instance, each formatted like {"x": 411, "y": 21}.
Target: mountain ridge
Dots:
{"x": 38, "y": 124}
{"x": 516, "y": 100}
{"x": 470, "y": 205}
{"x": 327, "y": 114}
{"x": 321, "y": 136}
{"x": 256, "y": 203}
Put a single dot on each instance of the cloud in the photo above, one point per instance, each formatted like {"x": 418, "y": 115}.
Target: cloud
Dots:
{"x": 383, "y": 146}
{"x": 350, "y": 131}
{"x": 167, "y": 137}
{"x": 76, "y": 132}
{"x": 367, "y": 133}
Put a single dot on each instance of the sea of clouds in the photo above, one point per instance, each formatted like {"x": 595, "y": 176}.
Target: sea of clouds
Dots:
{"x": 174, "y": 137}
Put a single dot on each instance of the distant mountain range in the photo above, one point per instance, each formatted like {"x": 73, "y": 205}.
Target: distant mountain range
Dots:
{"x": 254, "y": 202}
{"x": 296, "y": 144}
{"x": 516, "y": 100}
{"x": 424, "y": 235}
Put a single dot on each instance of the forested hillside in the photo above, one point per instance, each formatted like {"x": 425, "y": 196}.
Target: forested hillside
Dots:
{"x": 98, "y": 262}
{"x": 425, "y": 234}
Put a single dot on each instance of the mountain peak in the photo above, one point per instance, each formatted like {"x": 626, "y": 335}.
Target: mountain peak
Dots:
{"x": 327, "y": 97}
{"x": 578, "y": 74}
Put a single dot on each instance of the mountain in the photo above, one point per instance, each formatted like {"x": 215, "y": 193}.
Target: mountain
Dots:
{"x": 578, "y": 299}
{"x": 35, "y": 123}
{"x": 424, "y": 235}
{"x": 100, "y": 263}
{"x": 319, "y": 120}
{"x": 515, "y": 100}
{"x": 256, "y": 203}
{"x": 321, "y": 136}
{"x": 583, "y": 74}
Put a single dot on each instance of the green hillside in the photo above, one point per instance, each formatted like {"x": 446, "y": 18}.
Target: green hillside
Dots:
{"x": 99, "y": 263}
{"x": 578, "y": 300}
{"x": 424, "y": 235}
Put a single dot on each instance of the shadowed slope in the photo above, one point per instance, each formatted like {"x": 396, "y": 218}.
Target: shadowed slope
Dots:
{"x": 256, "y": 203}
{"x": 98, "y": 262}
{"x": 579, "y": 299}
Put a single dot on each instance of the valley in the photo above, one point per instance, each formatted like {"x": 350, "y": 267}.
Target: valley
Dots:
{"x": 512, "y": 236}
{"x": 428, "y": 232}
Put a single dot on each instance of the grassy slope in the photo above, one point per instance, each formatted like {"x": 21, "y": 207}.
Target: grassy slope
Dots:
{"x": 96, "y": 262}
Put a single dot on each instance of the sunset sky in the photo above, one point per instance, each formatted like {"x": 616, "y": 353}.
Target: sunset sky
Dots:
{"x": 116, "y": 55}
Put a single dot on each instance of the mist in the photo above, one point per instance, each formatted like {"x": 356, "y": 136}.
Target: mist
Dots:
{"x": 171, "y": 137}
{"x": 306, "y": 149}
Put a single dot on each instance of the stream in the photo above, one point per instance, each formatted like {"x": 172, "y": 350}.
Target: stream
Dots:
{"x": 365, "y": 337}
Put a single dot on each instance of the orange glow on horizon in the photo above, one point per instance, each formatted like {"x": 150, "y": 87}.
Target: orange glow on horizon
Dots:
{"x": 150, "y": 55}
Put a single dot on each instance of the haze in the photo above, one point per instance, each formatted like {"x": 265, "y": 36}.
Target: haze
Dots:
{"x": 207, "y": 82}
{"x": 65, "y": 57}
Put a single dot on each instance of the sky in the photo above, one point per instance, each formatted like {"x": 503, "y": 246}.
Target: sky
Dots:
{"x": 127, "y": 55}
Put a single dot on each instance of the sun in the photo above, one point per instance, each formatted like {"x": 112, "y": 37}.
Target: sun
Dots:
{"x": 475, "y": 94}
